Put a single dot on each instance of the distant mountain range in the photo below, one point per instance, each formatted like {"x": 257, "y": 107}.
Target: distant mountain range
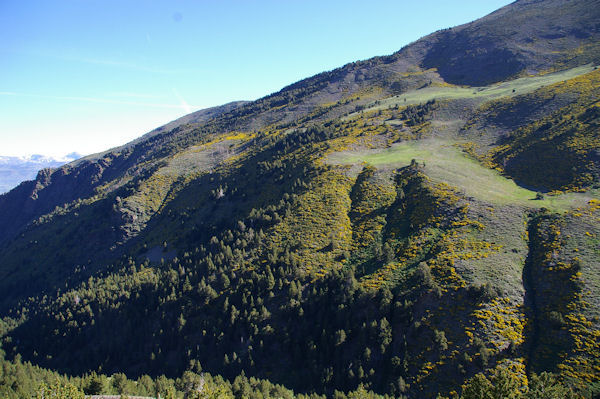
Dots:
{"x": 14, "y": 170}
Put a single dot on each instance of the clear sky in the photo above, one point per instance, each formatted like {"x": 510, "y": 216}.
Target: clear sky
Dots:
{"x": 87, "y": 75}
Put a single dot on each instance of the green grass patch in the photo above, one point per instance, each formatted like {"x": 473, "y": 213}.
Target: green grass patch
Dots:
{"x": 446, "y": 163}
{"x": 495, "y": 91}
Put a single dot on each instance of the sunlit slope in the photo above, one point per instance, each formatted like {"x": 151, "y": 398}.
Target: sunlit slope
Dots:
{"x": 509, "y": 88}
{"x": 295, "y": 232}
{"x": 446, "y": 162}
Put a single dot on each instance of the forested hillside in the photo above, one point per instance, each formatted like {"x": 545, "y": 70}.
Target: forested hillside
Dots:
{"x": 414, "y": 225}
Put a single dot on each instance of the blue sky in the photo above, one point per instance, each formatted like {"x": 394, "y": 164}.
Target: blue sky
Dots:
{"x": 87, "y": 75}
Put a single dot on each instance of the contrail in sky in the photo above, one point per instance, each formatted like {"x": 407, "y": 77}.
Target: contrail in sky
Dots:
{"x": 184, "y": 105}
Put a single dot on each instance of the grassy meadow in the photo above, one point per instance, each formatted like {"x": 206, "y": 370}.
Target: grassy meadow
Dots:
{"x": 444, "y": 162}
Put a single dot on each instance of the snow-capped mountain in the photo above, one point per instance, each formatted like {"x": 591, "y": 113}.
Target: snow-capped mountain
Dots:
{"x": 14, "y": 170}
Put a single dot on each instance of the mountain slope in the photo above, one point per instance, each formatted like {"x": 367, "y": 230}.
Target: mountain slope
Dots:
{"x": 83, "y": 178}
{"x": 352, "y": 84}
{"x": 527, "y": 37}
{"x": 359, "y": 227}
